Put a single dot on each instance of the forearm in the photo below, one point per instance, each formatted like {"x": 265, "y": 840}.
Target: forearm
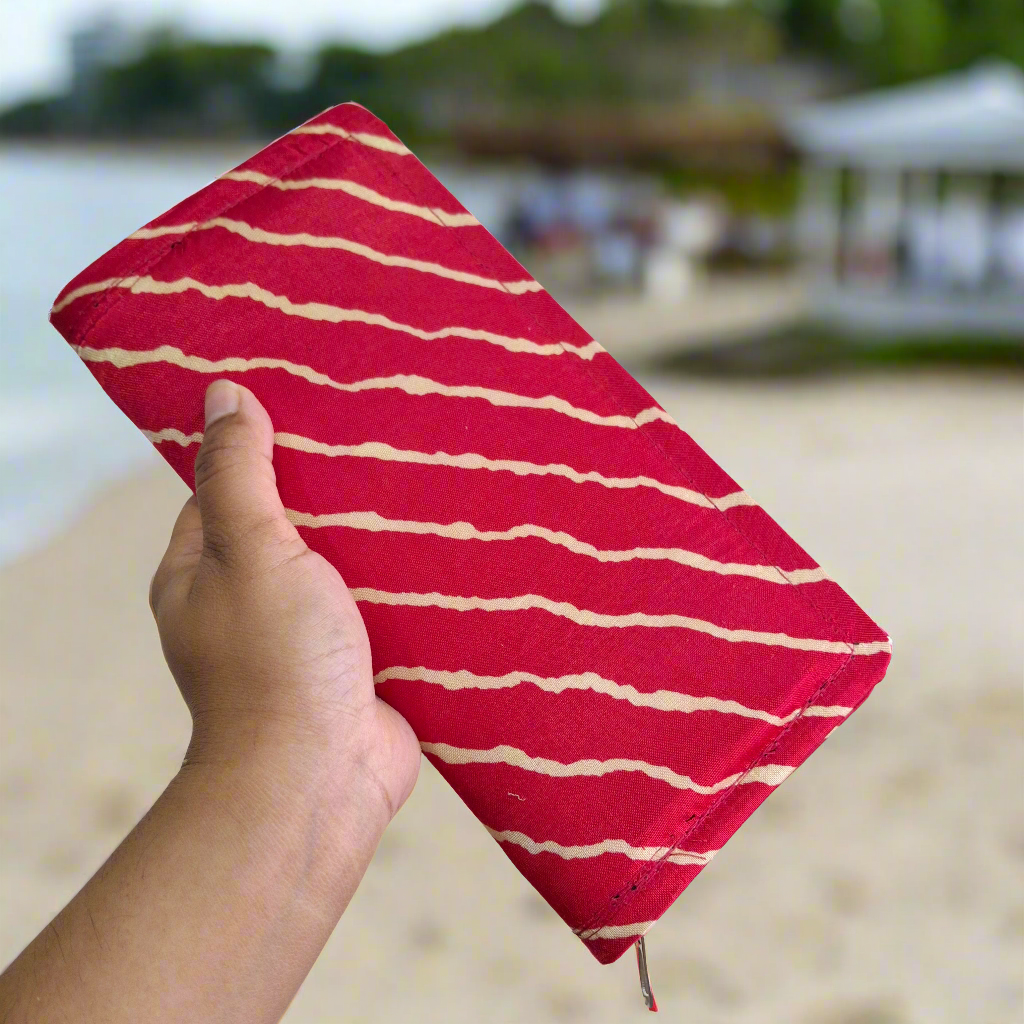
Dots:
{"x": 214, "y": 908}
{"x": 217, "y": 904}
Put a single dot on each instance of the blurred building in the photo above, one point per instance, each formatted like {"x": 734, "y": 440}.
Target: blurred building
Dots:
{"x": 94, "y": 48}
{"x": 912, "y": 217}
{"x": 593, "y": 231}
{"x": 677, "y": 135}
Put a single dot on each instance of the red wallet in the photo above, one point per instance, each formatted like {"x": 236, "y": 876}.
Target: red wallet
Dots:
{"x": 606, "y": 647}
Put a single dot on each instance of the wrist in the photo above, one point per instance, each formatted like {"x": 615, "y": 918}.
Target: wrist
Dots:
{"x": 292, "y": 783}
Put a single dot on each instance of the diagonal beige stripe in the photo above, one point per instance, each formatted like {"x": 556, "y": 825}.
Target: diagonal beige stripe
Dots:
{"x": 264, "y": 237}
{"x": 728, "y": 501}
{"x": 381, "y": 142}
{"x": 433, "y": 214}
{"x": 615, "y": 931}
{"x": 588, "y": 850}
{"x": 175, "y": 435}
{"x": 652, "y": 414}
{"x": 471, "y": 460}
{"x": 467, "y": 460}
{"x": 411, "y": 384}
{"x": 320, "y": 311}
{"x": 92, "y": 288}
{"x": 375, "y": 522}
{"x": 522, "y": 602}
{"x": 586, "y": 617}
{"x": 767, "y": 774}
{"x": 659, "y": 700}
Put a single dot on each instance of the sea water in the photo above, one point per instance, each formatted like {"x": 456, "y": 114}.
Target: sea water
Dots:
{"x": 61, "y": 438}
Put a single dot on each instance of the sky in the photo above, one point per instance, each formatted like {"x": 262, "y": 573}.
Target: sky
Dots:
{"x": 33, "y": 43}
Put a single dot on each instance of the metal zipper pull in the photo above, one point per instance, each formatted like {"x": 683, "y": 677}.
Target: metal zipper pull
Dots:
{"x": 645, "y": 980}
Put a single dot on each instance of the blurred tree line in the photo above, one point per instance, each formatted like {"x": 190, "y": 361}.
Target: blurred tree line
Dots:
{"x": 892, "y": 41}
{"x": 633, "y": 52}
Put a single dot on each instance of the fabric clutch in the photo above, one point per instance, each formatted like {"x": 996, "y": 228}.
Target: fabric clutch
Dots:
{"x": 606, "y": 647}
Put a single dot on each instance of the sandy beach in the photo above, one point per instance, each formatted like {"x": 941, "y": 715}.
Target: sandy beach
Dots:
{"x": 880, "y": 885}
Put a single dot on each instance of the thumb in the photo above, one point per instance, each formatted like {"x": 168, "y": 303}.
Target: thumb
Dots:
{"x": 236, "y": 486}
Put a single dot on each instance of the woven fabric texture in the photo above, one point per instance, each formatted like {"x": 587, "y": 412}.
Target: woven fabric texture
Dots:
{"x": 604, "y": 645}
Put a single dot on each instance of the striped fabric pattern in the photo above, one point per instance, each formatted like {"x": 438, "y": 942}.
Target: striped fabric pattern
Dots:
{"x": 604, "y": 644}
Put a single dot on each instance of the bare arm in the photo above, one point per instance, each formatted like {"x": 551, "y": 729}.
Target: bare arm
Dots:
{"x": 217, "y": 904}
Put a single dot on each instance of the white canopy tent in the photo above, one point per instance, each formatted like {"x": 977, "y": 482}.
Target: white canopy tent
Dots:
{"x": 913, "y": 208}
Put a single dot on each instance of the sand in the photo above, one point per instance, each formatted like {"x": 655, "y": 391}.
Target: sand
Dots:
{"x": 880, "y": 885}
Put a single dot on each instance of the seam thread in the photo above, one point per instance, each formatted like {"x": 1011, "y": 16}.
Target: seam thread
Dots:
{"x": 647, "y": 874}
{"x": 113, "y": 295}
{"x": 644, "y": 876}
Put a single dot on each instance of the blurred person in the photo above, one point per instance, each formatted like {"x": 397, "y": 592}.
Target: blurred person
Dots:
{"x": 922, "y": 232}
{"x": 966, "y": 235}
{"x": 218, "y": 902}
{"x": 1009, "y": 245}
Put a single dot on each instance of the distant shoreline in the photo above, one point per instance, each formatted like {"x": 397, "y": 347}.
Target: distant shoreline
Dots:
{"x": 189, "y": 144}
{"x": 66, "y": 143}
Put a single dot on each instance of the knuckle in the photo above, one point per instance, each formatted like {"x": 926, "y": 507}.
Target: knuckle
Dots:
{"x": 217, "y": 455}
{"x": 218, "y": 547}
{"x": 278, "y": 537}
{"x": 259, "y": 545}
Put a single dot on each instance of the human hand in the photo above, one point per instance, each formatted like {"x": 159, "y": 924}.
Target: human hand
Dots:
{"x": 262, "y": 635}
{"x": 216, "y": 905}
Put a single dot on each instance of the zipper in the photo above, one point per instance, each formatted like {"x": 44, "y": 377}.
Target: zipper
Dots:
{"x": 645, "y": 979}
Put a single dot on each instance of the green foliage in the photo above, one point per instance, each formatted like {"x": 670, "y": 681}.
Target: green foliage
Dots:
{"x": 633, "y": 52}
{"x": 905, "y": 39}
{"x": 184, "y": 84}
{"x": 528, "y": 56}
{"x": 913, "y": 40}
{"x": 753, "y": 192}
{"x": 36, "y": 117}
{"x": 986, "y": 28}
{"x": 344, "y": 71}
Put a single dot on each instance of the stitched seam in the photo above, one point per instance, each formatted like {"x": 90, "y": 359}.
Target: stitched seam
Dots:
{"x": 111, "y": 296}
{"x": 647, "y": 874}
